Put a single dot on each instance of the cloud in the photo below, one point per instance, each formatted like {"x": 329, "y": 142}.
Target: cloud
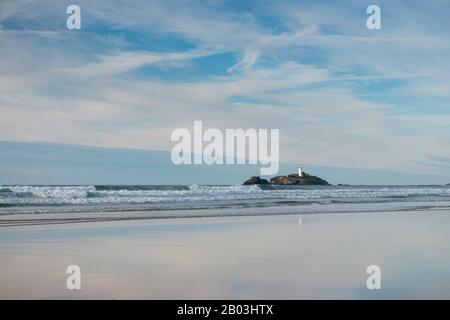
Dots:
{"x": 249, "y": 59}
{"x": 109, "y": 65}
{"x": 336, "y": 91}
{"x": 9, "y": 7}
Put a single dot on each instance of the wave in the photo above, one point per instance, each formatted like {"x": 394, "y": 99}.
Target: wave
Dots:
{"x": 131, "y": 197}
{"x": 54, "y": 192}
{"x": 139, "y": 187}
{"x": 208, "y": 189}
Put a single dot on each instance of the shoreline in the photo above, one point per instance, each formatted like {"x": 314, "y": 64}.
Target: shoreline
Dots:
{"x": 32, "y": 220}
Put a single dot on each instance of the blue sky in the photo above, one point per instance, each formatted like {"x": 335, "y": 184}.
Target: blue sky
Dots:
{"x": 62, "y": 164}
{"x": 341, "y": 95}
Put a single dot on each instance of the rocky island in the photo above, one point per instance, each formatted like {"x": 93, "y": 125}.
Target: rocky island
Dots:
{"x": 301, "y": 178}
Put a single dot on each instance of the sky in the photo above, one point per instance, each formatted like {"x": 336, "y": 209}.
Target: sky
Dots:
{"x": 62, "y": 164}
{"x": 342, "y": 95}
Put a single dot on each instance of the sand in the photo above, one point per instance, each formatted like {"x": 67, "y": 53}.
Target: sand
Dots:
{"x": 253, "y": 257}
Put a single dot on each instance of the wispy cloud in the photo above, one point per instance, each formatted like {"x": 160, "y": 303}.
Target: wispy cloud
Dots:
{"x": 249, "y": 59}
{"x": 109, "y": 65}
{"x": 341, "y": 95}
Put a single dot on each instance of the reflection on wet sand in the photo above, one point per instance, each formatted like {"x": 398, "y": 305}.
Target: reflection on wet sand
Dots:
{"x": 324, "y": 256}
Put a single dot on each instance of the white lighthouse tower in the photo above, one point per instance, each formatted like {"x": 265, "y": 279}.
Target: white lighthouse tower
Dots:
{"x": 300, "y": 171}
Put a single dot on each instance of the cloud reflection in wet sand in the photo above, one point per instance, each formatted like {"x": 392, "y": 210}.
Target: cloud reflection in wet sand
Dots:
{"x": 243, "y": 257}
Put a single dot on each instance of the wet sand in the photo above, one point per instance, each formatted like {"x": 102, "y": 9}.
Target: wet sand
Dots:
{"x": 252, "y": 257}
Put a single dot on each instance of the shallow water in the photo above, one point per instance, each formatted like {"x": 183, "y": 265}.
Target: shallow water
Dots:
{"x": 269, "y": 257}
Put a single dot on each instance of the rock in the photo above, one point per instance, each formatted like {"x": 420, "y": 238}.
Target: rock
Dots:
{"x": 295, "y": 179}
{"x": 255, "y": 180}
{"x": 291, "y": 179}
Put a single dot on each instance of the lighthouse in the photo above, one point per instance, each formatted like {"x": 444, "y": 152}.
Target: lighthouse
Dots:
{"x": 300, "y": 171}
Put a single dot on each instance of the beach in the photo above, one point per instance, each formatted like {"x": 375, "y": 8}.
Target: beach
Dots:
{"x": 292, "y": 256}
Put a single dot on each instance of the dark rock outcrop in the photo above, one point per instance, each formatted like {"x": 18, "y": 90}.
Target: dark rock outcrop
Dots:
{"x": 291, "y": 179}
{"x": 295, "y": 179}
{"x": 255, "y": 180}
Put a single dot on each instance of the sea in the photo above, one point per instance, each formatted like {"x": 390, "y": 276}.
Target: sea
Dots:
{"x": 194, "y": 200}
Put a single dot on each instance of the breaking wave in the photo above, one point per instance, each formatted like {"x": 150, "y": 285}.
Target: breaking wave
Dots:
{"x": 151, "y": 197}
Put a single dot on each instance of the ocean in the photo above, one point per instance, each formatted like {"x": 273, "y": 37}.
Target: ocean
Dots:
{"x": 216, "y": 199}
